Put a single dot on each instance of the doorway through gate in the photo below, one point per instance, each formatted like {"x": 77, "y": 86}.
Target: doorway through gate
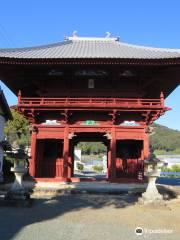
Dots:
{"x": 95, "y": 162}
{"x": 91, "y": 157}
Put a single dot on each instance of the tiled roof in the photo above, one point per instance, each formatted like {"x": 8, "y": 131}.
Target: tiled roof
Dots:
{"x": 76, "y": 47}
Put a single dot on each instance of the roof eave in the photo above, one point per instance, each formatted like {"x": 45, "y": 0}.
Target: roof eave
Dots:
{"x": 91, "y": 61}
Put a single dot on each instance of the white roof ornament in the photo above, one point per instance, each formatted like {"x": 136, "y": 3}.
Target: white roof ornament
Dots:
{"x": 74, "y": 33}
{"x": 108, "y": 34}
{"x": 66, "y": 38}
{"x": 91, "y": 39}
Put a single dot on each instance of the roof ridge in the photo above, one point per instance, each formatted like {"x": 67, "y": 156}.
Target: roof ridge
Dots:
{"x": 93, "y": 39}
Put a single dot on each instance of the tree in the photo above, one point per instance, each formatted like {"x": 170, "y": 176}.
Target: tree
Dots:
{"x": 92, "y": 148}
{"x": 165, "y": 139}
{"x": 17, "y": 130}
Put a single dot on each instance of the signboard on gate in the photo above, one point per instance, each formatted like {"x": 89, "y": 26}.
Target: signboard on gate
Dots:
{"x": 90, "y": 123}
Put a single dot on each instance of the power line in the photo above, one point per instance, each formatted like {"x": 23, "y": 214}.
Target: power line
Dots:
{"x": 5, "y": 36}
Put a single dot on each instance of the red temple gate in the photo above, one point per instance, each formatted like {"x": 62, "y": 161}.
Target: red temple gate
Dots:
{"x": 90, "y": 89}
{"x": 52, "y": 145}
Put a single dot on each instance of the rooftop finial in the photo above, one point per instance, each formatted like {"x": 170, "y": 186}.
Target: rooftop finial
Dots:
{"x": 65, "y": 38}
{"x": 108, "y": 34}
{"x": 74, "y": 33}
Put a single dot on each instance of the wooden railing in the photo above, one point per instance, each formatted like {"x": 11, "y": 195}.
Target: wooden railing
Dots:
{"x": 91, "y": 102}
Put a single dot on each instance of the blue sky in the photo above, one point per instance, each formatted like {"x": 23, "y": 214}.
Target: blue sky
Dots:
{"x": 151, "y": 23}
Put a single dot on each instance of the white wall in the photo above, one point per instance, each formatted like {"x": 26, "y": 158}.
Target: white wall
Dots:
{"x": 77, "y": 154}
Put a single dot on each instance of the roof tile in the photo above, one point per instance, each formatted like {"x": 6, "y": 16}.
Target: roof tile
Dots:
{"x": 90, "y": 48}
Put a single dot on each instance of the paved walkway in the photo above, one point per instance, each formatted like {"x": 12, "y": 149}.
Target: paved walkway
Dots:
{"x": 88, "y": 217}
{"x": 91, "y": 187}
{"x": 78, "y": 185}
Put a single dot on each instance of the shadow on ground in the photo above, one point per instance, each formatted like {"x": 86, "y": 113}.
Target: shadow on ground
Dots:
{"x": 12, "y": 220}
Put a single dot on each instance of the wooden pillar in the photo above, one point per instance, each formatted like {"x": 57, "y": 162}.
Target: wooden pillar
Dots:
{"x": 70, "y": 160}
{"x": 162, "y": 99}
{"x": 112, "y": 155}
{"x": 66, "y": 151}
{"x": 146, "y": 145}
{"x": 32, "y": 165}
{"x": 19, "y": 97}
{"x": 108, "y": 162}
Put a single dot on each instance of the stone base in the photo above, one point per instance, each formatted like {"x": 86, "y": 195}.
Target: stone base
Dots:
{"x": 19, "y": 198}
{"x": 151, "y": 199}
{"x": 142, "y": 201}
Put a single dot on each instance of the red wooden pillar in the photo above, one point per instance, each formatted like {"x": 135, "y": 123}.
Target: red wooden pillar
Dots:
{"x": 145, "y": 152}
{"x": 108, "y": 162}
{"x": 112, "y": 155}
{"x": 32, "y": 165}
{"x": 146, "y": 145}
{"x": 70, "y": 160}
{"x": 66, "y": 152}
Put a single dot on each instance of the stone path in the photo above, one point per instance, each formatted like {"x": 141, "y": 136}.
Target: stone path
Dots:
{"x": 88, "y": 217}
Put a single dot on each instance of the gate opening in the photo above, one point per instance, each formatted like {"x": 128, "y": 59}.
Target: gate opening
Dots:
{"x": 90, "y": 156}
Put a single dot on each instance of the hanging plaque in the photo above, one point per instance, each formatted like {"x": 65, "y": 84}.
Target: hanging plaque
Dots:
{"x": 90, "y": 123}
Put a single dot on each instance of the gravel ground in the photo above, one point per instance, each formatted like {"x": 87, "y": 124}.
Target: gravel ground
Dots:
{"x": 89, "y": 217}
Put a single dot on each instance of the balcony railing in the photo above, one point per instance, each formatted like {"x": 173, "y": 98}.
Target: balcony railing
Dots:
{"x": 90, "y": 102}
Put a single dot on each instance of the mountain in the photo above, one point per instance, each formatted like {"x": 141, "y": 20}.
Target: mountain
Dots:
{"x": 165, "y": 140}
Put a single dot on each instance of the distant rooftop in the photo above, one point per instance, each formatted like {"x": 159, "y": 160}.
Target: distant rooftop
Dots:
{"x": 90, "y": 47}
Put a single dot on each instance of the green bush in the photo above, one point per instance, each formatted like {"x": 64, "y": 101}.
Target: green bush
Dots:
{"x": 97, "y": 168}
{"x": 160, "y": 152}
{"x": 177, "y": 151}
{"x": 175, "y": 168}
{"x": 80, "y": 166}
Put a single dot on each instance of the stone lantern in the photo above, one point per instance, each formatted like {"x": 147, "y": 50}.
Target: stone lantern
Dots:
{"x": 18, "y": 195}
{"x": 152, "y": 171}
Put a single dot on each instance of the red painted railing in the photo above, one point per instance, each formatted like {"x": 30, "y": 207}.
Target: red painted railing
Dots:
{"x": 91, "y": 102}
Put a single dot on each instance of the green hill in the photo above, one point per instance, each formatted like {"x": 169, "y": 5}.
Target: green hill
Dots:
{"x": 165, "y": 140}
